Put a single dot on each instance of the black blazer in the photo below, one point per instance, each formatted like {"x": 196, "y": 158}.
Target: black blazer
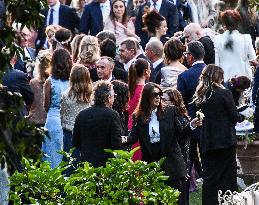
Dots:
{"x": 168, "y": 127}
{"x": 221, "y": 115}
{"x": 97, "y": 128}
{"x": 68, "y": 18}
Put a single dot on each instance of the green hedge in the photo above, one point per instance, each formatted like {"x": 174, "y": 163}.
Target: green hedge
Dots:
{"x": 121, "y": 181}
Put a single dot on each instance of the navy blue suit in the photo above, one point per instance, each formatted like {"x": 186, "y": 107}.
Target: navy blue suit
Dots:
{"x": 67, "y": 18}
{"x": 92, "y": 19}
{"x": 167, "y": 10}
{"x": 155, "y": 76}
{"x": 17, "y": 81}
{"x": 187, "y": 83}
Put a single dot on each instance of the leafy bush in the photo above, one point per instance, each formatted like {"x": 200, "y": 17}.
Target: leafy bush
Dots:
{"x": 121, "y": 181}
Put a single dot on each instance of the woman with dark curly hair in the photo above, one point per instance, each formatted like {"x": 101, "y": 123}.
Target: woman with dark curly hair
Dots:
{"x": 57, "y": 83}
{"x": 173, "y": 50}
{"x": 119, "y": 23}
{"x": 155, "y": 24}
{"x": 120, "y": 103}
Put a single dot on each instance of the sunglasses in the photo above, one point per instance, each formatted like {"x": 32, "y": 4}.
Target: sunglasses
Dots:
{"x": 157, "y": 94}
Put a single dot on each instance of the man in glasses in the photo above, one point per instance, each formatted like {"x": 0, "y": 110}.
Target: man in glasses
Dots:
{"x": 186, "y": 83}
{"x": 98, "y": 127}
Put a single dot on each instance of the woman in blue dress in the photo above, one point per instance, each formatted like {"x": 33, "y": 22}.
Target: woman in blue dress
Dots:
{"x": 53, "y": 88}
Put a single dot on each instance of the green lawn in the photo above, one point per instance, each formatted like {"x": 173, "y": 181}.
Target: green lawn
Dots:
{"x": 195, "y": 197}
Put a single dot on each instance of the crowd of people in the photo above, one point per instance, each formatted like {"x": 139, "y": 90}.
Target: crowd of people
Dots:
{"x": 123, "y": 74}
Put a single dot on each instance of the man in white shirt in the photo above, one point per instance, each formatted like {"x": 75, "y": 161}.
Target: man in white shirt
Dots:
{"x": 154, "y": 51}
{"x": 105, "y": 66}
{"x": 128, "y": 52}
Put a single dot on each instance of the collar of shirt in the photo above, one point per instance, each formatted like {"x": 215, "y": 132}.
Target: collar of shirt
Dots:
{"x": 156, "y": 63}
{"x": 197, "y": 62}
{"x": 154, "y": 127}
{"x": 127, "y": 65}
{"x": 110, "y": 78}
{"x": 56, "y": 6}
{"x": 158, "y": 5}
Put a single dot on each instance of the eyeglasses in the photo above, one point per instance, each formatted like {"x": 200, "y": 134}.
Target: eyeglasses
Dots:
{"x": 113, "y": 95}
{"x": 157, "y": 94}
{"x": 187, "y": 53}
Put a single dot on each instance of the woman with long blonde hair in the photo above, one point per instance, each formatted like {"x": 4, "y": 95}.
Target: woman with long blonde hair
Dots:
{"x": 76, "y": 98}
{"x": 218, "y": 135}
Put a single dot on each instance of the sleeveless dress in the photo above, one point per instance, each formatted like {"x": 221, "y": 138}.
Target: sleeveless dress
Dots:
{"x": 54, "y": 140}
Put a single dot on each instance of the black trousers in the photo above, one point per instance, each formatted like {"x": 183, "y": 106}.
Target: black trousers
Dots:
{"x": 219, "y": 173}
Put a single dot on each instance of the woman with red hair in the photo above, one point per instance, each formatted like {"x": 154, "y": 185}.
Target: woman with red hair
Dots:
{"x": 233, "y": 50}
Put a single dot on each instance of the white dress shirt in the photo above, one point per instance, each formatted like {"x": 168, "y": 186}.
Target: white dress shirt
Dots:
{"x": 127, "y": 65}
{"x": 153, "y": 128}
{"x": 106, "y": 9}
{"x": 158, "y": 5}
{"x": 55, "y": 14}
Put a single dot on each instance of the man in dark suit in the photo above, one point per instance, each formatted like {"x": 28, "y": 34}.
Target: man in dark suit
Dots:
{"x": 98, "y": 127}
{"x": 57, "y": 14}
{"x": 93, "y": 16}
{"x": 186, "y": 84}
{"x": 105, "y": 67}
{"x": 154, "y": 51}
{"x": 108, "y": 48}
{"x": 17, "y": 81}
{"x": 167, "y": 9}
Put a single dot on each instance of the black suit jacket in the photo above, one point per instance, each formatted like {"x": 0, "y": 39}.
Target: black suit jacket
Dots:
{"x": 167, "y": 10}
{"x": 209, "y": 57}
{"x": 221, "y": 115}
{"x": 97, "y": 128}
{"x": 68, "y": 18}
{"x": 168, "y": 128}
{"x": 156, "y": 74}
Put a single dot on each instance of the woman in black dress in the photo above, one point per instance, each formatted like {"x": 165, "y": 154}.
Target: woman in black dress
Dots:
{"x": 218, "y": 135}
{"x": 155, "y": 127}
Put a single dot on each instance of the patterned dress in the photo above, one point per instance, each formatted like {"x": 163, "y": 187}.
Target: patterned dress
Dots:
{"x": 54, "y": 138}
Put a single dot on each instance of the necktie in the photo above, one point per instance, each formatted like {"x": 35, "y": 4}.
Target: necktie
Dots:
{"x": 51, "y": 17}
{"x": 154, "y": 4}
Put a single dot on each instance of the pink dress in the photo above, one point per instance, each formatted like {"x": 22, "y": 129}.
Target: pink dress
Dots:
{"x": 132, "y": 105}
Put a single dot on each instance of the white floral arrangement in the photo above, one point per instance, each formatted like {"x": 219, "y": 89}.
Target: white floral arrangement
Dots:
{"x": 200, "y": 115}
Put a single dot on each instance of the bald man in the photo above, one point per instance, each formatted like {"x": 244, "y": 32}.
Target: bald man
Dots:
{"x": 194, "y": 32}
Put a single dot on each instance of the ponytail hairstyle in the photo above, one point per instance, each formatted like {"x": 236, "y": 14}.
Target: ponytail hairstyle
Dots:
{"x": 240, "y": 82}
{"x": 211, "y": 78}
{"x": 136, "y": 70}
{"x": 231, "y": 19}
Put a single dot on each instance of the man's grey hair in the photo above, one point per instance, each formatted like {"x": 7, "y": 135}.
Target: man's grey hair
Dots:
{"x": 157, "y": 48}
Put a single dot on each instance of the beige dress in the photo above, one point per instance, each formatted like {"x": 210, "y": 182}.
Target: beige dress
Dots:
{"x": 169, "y": 76}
